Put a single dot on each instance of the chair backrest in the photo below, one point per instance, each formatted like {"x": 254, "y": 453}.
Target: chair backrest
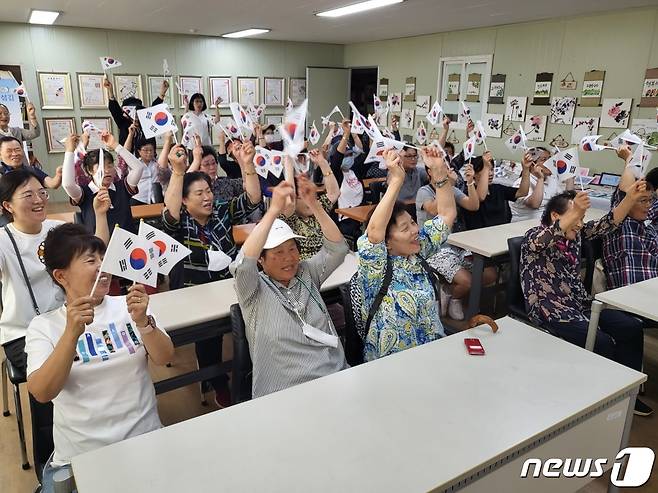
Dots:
{"x": 516, "y": 303}
{"x": 353, "y": 343}
{"x": 242, "y": 366}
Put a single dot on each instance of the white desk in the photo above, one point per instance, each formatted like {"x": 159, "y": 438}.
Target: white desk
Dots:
{"x": 424, "y": 419}
{"x": 640, "y": 299}
{"x": 200, "y": 312}
{"x": 491, "y": 242}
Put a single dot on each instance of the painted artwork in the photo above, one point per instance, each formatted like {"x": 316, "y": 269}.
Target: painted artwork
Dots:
{"x": 407, "y": 118}
{"x": 493, "y": 124}
{"x": 396, "y": 102}
{"x": 515, "y": 108}
{"x": 646, "y": 129}
{"x": 592, "y": 88}
{"x": 542, "y": 89}
{"x": 562, "y": 110}
{"x": 535, "y": 127}
{"x": 128, "y": 86}
{"x": 497, "y": 90}
{"x": 422, "y": 105}
{"x": 582, "y": 127}
{"x": 616, "y": 112}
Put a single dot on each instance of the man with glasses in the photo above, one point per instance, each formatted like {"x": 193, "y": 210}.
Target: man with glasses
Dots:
{"x": 11, "y": 158}
{"x": 630, "y": 253}
{"x": 415, "y": 174}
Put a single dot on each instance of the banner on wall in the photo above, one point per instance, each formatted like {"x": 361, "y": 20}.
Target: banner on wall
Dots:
{"x": 10, "y": 99}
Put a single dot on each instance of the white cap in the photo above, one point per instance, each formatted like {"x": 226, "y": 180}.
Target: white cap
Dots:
{"x": 279, "y": 233}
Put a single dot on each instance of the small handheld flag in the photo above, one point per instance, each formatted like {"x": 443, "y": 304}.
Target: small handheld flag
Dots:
{"x": 156, "y": 120}
{"x": 292, "y": 130}
{"x": 435, "y": 112}
{"x": 20, "y": 90}
{"x": 469, "y": 148}
{"x": 168, "y": 252}
{"x": 165, "y": 68}
{"x": 130, "y": 257}
{"x": 314, "y": 135}
{"x": 465, "y": 112}
{"x": 640, "y": 161}
{"x": 588, "y": 144}
{"x": 421, "y": 134}
{"x": 564, "y": 164}
{"x": 109, "y": 63}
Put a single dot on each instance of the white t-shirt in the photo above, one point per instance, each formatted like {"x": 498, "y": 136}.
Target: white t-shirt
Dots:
{"x": 146, "y": 192}
{"x": 109, "y": 395}
{"x": 201, "y": 124}
{"x": 17, "y": 309}
{"x": 351, "y": 191}
{"x": 521, "y": 212}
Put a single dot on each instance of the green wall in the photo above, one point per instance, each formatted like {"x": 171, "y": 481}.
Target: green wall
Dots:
{"x": 623, "y": 43}
{"x": 72, "y": 50}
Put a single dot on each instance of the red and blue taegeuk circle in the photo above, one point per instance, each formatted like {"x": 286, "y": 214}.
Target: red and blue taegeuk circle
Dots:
{"x": 517, "y": 139}
{"x": 138, "y": 259}
{"x": 276, "y": 159}
{"x": 561, "y": 166}
{"x": 260, "y": 160}
{"x": 587, "y": 146}
{"x": 161, "y": 118}
{"x": 162, "y": 247}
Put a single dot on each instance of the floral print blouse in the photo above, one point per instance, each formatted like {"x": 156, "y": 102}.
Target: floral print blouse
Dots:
{"x": 550, "y": 271}
{"x": 408, "y": 315}
{"x": 309, "y": 228}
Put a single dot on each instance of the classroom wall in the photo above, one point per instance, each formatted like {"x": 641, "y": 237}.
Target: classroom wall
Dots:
{"x": 623, "y": 43}
{"x": 64, "y": 49}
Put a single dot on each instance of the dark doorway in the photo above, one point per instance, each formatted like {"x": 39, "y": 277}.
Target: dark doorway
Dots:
{"x": 363, "y": 84}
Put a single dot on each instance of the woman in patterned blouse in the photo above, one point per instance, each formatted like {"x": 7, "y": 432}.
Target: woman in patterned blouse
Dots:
{"x": 408, "y": 315}
{"x": 554, "y": 292}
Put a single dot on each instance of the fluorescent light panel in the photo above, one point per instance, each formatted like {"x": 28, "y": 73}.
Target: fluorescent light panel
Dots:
{"x": 357, "y": 7}
{"x": 43, "y": 17}
{"x": 245, "y": 33}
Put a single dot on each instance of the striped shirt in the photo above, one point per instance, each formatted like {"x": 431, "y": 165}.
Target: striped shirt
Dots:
{"x": 282, "y": 355}
{"x": 216, "y": 234}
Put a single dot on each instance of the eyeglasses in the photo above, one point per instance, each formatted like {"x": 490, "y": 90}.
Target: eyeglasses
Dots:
{"x": 29, "y": 196}
{"x": 411, "y": 156}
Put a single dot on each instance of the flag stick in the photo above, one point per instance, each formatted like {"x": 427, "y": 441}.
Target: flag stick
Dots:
{"x": 485, "y": 145}
{"x": 413, "y": 147}
{"x": 175, "y": 138}
{"x": 581, "y": 183}
{"x": 25, "y": 149}
{"x": 341, "y": 114}
{"x": 98, "y": 276}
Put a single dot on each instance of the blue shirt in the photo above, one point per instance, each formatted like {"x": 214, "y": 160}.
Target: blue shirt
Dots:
{"x": 4, "y": 169}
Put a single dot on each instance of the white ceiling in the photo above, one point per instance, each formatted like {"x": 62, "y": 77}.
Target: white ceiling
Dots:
{"x": 293, "y": 20}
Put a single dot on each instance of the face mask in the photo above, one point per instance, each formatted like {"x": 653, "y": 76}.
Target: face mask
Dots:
{"x": 269, "y": 138}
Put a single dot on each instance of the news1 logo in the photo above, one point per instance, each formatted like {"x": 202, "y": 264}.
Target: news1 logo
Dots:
{"x": 632, "y": 467}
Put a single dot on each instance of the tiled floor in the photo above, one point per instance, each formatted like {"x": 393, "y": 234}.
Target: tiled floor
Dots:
{"x": 185, "y": 403}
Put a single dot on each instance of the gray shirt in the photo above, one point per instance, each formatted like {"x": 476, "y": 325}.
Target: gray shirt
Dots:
{"x": 282, "y": 355}
{"x": 428, "y": 193}
{"x": 413, "y": 180}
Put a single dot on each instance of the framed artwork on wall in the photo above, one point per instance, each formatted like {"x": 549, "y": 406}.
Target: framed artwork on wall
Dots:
{"x": 57, "y": 129}
{"x": 220, "y": 87}
{"x": 91, "y": 91}
{"x": 274, "y": 91}
{"x": 101, "y": 123}
{"x": 154, "y": 84}
{"x": 55, "y": 90}
{"x": 616, "y": 112}
{"x": 128, "y": 86}
{"x": 187, "y": 86}
{"x": 248, "y": 91}
{"x": 297, "y": 90}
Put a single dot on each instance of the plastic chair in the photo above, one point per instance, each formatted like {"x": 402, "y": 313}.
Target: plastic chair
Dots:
{"x": 241, "y": 378}
{"x": 16, "y": 377}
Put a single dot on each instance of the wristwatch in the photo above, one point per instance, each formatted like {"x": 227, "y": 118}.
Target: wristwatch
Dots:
{"x": 150, "y": 322}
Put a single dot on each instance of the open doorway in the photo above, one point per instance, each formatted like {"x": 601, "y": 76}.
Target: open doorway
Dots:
{"x": 363, "y": 84}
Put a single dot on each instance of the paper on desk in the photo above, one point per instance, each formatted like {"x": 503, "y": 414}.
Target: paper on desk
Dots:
{"x": 218, "y": 260}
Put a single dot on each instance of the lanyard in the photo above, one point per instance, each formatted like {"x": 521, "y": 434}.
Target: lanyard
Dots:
{"x": 294, "y": 304}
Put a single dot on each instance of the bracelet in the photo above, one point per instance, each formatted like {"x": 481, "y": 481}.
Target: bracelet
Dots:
{"x": 178, "y": 174}
{"x": 250, "y": 173}
{"x": 329, "y": 173}
{"x": 148, "y": 328}
{"x": 471, "y": 183}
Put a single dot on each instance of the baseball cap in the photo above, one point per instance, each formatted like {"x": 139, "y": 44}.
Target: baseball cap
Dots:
{"x": 279, "y": 233}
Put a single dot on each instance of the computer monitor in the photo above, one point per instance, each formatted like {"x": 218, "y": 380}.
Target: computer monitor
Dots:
{"x": 609, "y": 179}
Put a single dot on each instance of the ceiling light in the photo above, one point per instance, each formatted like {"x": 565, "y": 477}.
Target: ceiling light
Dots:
{"x": 245, "y": 33}
{"x": 43, "y": 17}
{"x": 357, "y": 7}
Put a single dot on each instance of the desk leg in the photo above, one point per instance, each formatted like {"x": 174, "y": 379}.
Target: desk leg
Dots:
{"x": 597, "y": 306}
{"x": 476, "y": 286}
{"x": 627, "y": 431}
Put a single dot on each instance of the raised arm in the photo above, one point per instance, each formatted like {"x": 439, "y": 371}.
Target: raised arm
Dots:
{"x": 524, "y": 187}
{"x": 253, "y": 246}
{"x": 633, "y": 194}
{"x": 445, "y": 127}
{"x": 357, "y": 141}
{"x": 113, "y": 104}
{"x": 218, "y": 101}
{"x": 483, "y": 178}
{"x": 197, "y": 153}
{"x": 71, "y": 188}
{"x": 245, "y": 156}
{"x": 34, "y": 131}
{"x": 135, "y": 165}
{"x": 308, "y": 193}
{"x": 54, "y": 182}
{"x": 289, "y": 176}
{"x": 330, "y": 182}
{"x": 163, "y": 161}
{"x": 445, "y": 198}
{"x": 472, "y": 200}
{"x": 101, "y": 206}
{"x": 376, "y": 230}
{"x": 627, "y": 177}
{"x": 174, "y": 196}
{"x": 128, "y": 144}
{"x": 342, "y": 146}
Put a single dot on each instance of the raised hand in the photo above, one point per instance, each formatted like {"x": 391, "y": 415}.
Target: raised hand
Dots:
{"x": 281, "y": 194}
{"x": 624, "y": 152}
{"x": 244, "y": 154}
{"x": 78, "y": 314}
{"x": 178, "y": 159}
{"x": 581, "y": 202}
{"x": 197, "y": 152}
{"x": 102, "y": 201}
{"x": 71, "y": 143}
{"x": 109, "y": 140}
{"x": 31, "y": 111}
{"x": 445, "y": 123}
{"x": 138, "y": 301}
{"x": 307, "y": 191}
{"x": 393, "y": 165}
